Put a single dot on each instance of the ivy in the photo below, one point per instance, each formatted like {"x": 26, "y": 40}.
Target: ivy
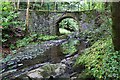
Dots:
{"x": 101, "y": 60}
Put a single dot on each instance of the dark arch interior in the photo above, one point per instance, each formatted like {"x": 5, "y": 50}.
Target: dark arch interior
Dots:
{"x": 66, "y": 25}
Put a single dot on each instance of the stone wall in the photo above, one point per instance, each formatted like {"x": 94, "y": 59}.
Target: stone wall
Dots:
{"x": 48, "y": 22}
{"x": 38, "y": 22}
{"x": 56, "y": 18}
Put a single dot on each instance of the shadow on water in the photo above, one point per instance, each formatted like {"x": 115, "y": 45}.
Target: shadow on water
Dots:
{"x": 55, "y": 54}
{"x": 52, "y": 55}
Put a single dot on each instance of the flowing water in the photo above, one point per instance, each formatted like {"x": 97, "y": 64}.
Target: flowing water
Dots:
{"x": 51, "y": 55}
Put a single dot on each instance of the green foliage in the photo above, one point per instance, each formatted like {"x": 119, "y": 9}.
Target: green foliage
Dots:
{"x": 95, "y": 33}
{"x": 64, "y": 6}
{"x": 4, "y": 60}
{"x": 8, "y": 15}
{"x": 101, "y": 60}
{"x": 25, "y": 41}
{"x": 6, "y": 6}
{"x": 69, "y": 24}
{"x": 85, "y": 5}
{"x": 34, "y": 38}
{"x": 64, "y": 31}
{"x": 70, "y": 47}
{"x": 8, "y": 20}
{"x": 47, "y": 37}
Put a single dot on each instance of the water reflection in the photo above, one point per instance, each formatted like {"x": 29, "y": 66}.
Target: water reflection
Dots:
{"x": 53, "y": 55}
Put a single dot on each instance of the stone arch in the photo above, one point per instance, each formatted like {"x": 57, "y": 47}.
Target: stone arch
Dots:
{"x": 67, "y": 15}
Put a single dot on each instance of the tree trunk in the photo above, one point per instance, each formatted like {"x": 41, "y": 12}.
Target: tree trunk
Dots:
{"x": 116, "y": 25}
{"x": 18, "y": 3}
{"x": 42, "y": 1}
{"x": 14, "y": 4}
{"x": 27, "y": 16}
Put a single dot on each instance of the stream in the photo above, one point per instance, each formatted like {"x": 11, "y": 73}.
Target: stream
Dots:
{"x": 40, "y": 61}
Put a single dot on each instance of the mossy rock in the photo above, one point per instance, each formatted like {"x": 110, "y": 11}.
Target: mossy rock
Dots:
{"x": 84, "y": 75}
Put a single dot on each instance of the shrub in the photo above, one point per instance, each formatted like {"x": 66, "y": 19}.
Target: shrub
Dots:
{"x": 9, "y": 23}
{"x": 101, "y": 60}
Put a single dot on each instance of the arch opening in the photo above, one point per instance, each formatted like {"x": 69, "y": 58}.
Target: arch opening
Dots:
{"x": 67, "y": 25}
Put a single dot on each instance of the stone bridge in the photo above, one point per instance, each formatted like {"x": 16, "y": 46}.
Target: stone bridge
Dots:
{"x": 47, "y": 22}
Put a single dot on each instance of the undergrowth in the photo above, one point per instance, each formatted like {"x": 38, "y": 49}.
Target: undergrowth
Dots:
{"x": 101, "y": 61}
{"x": 34, "y": 38}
